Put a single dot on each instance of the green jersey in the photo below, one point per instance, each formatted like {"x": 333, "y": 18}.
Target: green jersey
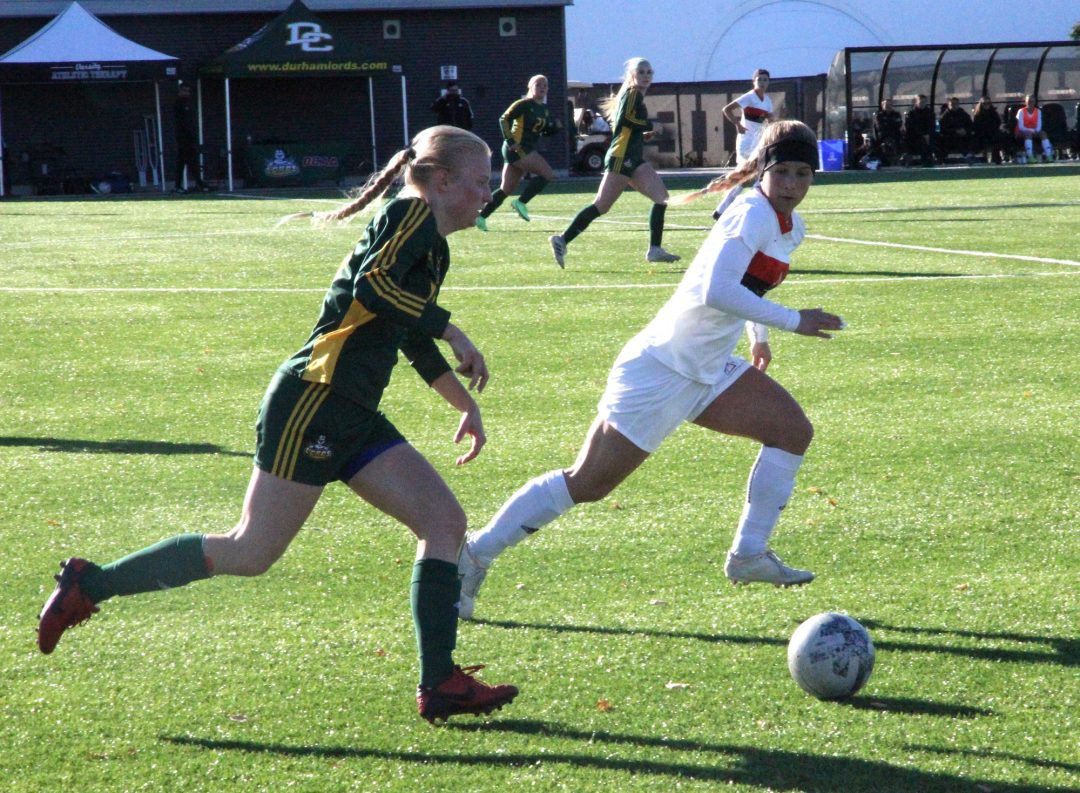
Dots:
{"x": 628, "y": 128}
{"x": 382, "y": 300}
{"x": 525, "y": 121}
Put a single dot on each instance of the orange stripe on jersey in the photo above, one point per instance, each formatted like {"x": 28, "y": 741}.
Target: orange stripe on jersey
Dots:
{"x": 767, "y": 270}
{"x": 786, "y": 223}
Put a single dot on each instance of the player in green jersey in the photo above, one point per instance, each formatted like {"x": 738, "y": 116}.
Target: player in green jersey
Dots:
{"x": 320, "y": 421}
{"x": 522, "y": 125}
{"x": 624, "y": 165}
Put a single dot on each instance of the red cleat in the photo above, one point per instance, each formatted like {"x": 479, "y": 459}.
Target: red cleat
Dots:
{"x": 66, "y": 607}
{"x": 462, "y": 693}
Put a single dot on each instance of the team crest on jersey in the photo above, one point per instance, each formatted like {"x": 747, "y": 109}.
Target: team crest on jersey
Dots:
{"x": 318, "y": 450}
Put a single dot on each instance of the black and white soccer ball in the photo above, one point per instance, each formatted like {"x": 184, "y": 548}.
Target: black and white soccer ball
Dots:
{"x": 831, "y": 656}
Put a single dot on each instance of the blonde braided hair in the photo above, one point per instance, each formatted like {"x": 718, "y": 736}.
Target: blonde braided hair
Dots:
{"x": 439, "y": 148}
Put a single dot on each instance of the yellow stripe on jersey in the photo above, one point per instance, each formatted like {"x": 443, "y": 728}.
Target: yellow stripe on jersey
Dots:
{"x": 619, "y": 149}
{"x": 400, "y": 299}
{"x": 289, "y": 446}
{"x": 513, "y": 129}
{"x": 414, "y": 217}
{"x": 327, "y": 348}
{"x": 384, "y": 286}
{"x": 631, "y": 106}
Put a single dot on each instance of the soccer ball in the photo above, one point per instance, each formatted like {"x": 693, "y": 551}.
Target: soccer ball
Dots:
{"x": 830, "y": 656}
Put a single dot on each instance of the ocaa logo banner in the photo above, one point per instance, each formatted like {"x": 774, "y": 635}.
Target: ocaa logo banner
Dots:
{"x": 307, "y": 36}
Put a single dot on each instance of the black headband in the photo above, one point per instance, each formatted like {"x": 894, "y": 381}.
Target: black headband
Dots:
{"x": 787, "y": 150}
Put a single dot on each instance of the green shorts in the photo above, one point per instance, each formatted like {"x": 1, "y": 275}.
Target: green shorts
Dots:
{"x": 307, "y": 433}
{"x": 626, "y": 166}
{"x": 511, "y": 157}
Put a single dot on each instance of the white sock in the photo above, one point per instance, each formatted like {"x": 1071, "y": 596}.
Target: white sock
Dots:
{"x": 1028, "y": 148}
{"x": 538, "y": 502}
{"x": 767, "y": 492}
{"x": 1047, "y": 148}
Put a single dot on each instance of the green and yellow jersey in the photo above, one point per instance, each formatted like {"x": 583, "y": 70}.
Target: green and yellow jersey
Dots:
{"x": 628, "y": 128}
{"x": 524, "y": 122}
{"x": 382, "y": 299}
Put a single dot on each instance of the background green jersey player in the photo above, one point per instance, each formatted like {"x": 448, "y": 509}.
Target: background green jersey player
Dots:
{"x": 522, "y": 125}
{"x": 320, "y": 421}
{"x": 625, "y": 165}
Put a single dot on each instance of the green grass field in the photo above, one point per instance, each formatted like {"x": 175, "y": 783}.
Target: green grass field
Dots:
{"x": 939, "y": 505}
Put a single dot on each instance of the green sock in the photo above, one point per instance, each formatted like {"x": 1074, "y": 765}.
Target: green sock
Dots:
{"x": 435, "y": 592}
{"x": 170, "y": 563}
{"x": 496, "y": 201}
{"x": 581, "y": 222}
{"x": 535, "y": 185}
{"x": 656, "y": 224}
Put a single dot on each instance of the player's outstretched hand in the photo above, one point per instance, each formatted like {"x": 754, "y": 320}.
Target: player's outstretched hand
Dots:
{"x": 815, "y": 322}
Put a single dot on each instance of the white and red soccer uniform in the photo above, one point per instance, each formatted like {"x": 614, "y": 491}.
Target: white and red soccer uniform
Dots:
{"x": 1028, "y": 123}
{"x": 671, "y": 370}
{"x": 755, "y": 112}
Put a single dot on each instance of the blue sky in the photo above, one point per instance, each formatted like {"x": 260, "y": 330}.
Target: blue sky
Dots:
{"x": 727, "y": 40}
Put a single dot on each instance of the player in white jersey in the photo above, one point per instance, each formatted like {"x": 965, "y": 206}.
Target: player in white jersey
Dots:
{"x": 680, "y": 368}
{"x": 749, "y": 113}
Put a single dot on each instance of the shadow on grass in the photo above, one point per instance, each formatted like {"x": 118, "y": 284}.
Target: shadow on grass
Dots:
{"x": 766, "y": 768}
{"x": 77, "y": 446}
{"x": 990, "y": 754}
{"x": 1065, "y": 652}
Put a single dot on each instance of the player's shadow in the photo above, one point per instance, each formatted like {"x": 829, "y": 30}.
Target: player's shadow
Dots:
{"x": 773, "y": 769}
{"x": 82, "y": 446}
{"x": 1065, "y": 652}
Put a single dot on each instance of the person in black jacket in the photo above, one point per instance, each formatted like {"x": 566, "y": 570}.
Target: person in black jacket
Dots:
{"x": 956, "y": 132}
{"x": 452, "y": 108}
{"x": 989, "y": 138}
{"x": 919, "y": 130}
{"x": 187, "y": 143}
{"x": 888, "y": 134}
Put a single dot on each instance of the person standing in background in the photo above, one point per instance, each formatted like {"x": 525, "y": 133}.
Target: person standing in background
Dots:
{"x": 452, "y": 109}
{"x": 749, "y": 113}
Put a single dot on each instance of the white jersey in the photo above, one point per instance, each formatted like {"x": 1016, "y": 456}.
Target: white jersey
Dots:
{"x": 755, "y": 112}
{"x": 747, "y": 253}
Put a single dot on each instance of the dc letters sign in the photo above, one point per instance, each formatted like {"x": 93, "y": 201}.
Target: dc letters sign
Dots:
{"x": 307, "y": 36}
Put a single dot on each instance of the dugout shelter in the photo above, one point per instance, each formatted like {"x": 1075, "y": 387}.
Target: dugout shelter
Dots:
{"x": 860, "y": 77}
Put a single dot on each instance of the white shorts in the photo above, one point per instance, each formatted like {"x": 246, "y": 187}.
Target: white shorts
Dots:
{"x": 746, "y": 142}
{"x": 646, "y": 401}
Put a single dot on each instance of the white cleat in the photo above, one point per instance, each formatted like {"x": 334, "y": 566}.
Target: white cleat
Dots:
{"x": 658, "y": 254}
{"x": 764, "y": 567}
{"x": 558, "y": 250}
{"x": 472, "y": 574}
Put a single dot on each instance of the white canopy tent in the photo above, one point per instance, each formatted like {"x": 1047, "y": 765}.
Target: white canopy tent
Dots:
{"x": 77, "y": 47}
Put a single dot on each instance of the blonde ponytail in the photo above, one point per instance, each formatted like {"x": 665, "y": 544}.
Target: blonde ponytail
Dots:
{"x": 439, "y": 148}
{"x": 375, "y": 187}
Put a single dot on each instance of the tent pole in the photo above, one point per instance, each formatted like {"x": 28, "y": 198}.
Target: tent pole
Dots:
{"x": 198, "y": 105}
{"x": 371, "y": 102}
{"x": 228, "y": 133}
{"x": 404, "y": 111}
{"x": 160, "y": 140}
{"x": 2, "y": 173}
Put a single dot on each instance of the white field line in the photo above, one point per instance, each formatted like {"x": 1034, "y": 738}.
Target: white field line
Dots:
{"x": 791, "y": 282}
{"x": 950, "y": 251}
{"x": 875, "y": 243}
